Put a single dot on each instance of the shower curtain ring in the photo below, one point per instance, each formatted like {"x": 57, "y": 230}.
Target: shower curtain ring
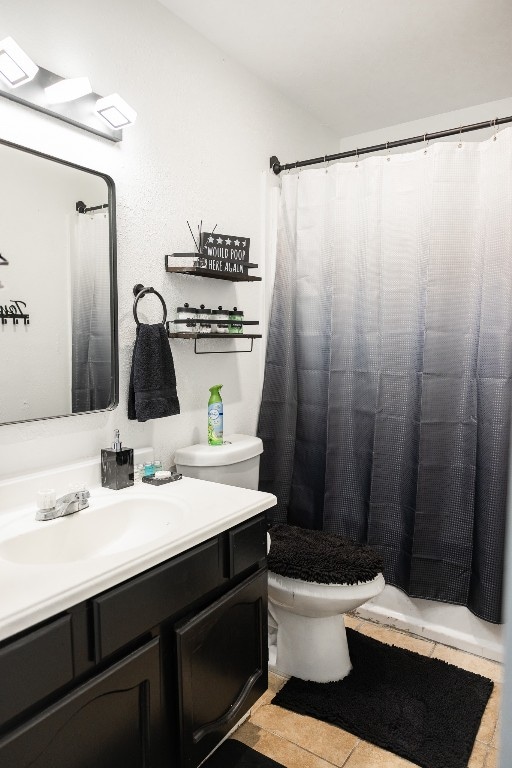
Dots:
{"x": 460, "y": 136}
{"x": 387, "y": 148}
{"x": 497, "y": 127}
{"x": 426, "y": 141}
{"x": 357, "y": 159}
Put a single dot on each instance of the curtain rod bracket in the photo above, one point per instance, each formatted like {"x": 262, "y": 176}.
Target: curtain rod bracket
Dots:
{"x": 275, "y": 165}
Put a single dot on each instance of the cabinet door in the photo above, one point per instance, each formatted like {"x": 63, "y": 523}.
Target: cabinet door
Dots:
{"x": 222, "y": 666}
{"x": 34, "y": 666}
{"x": 112, "y": 721}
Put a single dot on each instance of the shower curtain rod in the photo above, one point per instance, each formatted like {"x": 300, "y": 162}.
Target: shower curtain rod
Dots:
{"x": 277, "y": 167}
{"x": 80, "y": 207}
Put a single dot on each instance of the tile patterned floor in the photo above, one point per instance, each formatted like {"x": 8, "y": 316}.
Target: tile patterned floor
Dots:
{"x": 298, "y": 741}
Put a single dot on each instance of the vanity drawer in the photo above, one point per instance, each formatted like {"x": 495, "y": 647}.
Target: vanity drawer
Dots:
{"x": 126, "y": 612}
{"x": 34, "y": 666}
{"x": 247, "y": 545}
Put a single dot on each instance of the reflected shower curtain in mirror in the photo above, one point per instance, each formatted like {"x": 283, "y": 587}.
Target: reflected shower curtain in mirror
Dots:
{"x": 385, "y": 413}
{"x": 91, "y": 337}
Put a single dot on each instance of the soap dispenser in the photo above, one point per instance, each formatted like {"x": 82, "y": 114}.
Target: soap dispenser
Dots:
{"x": 116, "y": 465}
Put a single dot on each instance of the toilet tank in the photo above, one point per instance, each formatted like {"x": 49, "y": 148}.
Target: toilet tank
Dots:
{"x": 236, "y": 462}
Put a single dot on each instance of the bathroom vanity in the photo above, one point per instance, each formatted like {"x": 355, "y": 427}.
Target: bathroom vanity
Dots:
{"x": 163, "y": 654}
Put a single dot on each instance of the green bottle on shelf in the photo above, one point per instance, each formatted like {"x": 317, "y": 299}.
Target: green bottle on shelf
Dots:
{"x": 215, "y": 417}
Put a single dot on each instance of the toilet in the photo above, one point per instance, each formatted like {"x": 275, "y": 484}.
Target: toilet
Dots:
{"x": 310, "y": 588}
{"x": 329, "y": 575}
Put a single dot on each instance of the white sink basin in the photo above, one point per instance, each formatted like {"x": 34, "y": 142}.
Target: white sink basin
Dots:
{"x": 100, "y": 530}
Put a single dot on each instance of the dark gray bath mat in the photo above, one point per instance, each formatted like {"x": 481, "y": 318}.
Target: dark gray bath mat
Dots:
{"x": 422, "y": 709}
{"x": 234, "y": 754}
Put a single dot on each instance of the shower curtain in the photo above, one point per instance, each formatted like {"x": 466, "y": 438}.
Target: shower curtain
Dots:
{"x": 385, "y": 412}
{"x": 91, "y": 330}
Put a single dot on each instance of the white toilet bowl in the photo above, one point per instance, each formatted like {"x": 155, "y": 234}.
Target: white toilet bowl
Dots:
{"x": 311, "y": 637}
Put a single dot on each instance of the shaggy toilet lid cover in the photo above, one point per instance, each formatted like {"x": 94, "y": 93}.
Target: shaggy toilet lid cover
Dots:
{"x": 324, "y": 558}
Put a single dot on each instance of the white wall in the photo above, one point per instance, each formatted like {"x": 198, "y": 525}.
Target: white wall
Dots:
{"x": 205, "y": 130}
{"x": 476, "y": 114}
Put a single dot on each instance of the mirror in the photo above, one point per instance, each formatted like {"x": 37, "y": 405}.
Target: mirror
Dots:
{"x": 58, "y": 294}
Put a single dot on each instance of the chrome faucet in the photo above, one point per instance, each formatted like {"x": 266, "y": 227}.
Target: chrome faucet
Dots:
{"x": 67, "y": 505}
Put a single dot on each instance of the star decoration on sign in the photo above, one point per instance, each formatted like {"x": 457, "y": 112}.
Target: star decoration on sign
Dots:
{"x": 218, "y": 245}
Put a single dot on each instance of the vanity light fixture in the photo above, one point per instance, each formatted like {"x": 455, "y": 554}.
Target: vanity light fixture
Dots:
{"x": 69, "y": 89}
{"x": 69, "y": 99}
{"x": 16, "y": 68}
{"x": 115, "y": 111}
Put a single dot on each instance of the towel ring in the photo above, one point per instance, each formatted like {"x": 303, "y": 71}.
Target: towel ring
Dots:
{"x": 139, "y": 291}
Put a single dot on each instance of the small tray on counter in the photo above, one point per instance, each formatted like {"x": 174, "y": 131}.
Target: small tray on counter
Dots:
{"x": 162, "y": 480}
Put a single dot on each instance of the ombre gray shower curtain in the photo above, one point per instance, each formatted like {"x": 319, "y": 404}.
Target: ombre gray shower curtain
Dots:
{"x": 385, "y": 412}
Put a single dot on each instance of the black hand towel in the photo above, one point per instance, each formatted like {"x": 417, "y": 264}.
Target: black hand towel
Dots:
{"x": 152, "y": 393}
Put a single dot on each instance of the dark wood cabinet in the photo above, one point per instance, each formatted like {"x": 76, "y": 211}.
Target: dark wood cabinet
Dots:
{"x": 127, "y": 611}
{"x": 247, "y": 545}
{"x": 35, "y": 666}
{"x": 151, "y": 673}
{"x": 112, "y": 721}
{"x": 222, "y": 666}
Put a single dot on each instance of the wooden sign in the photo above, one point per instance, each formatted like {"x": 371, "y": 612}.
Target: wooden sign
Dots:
{"x": 225, "y": 253}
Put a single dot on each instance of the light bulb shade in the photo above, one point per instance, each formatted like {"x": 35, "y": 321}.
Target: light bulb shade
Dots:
{"x": 115, "y": 111}
{"x": 67, "y": 90}
{"x": 16, "y": 68}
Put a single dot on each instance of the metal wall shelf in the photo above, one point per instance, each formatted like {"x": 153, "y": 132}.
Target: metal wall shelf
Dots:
{"x": 200, "y": 272}
{"x": 183, "y": 335}
{"x": 227, "y": 322}
{"x": 227, "y": 336}
{"x": 235, "y": 277}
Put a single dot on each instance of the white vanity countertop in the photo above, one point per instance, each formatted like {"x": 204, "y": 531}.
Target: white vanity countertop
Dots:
{"x": 34, "y": 591}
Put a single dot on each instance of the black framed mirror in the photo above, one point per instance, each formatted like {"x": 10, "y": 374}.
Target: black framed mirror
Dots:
{"x": 58, "y": 288}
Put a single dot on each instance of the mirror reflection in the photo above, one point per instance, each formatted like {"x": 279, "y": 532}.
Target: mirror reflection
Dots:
{"x": 57, "y": 288}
